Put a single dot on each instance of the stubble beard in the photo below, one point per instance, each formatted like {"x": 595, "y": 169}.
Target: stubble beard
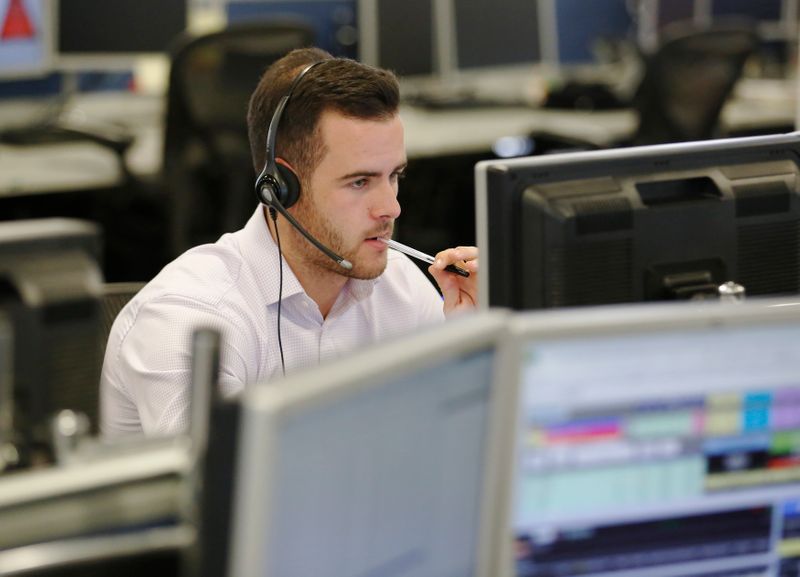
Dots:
{"x": 322, "y": 229}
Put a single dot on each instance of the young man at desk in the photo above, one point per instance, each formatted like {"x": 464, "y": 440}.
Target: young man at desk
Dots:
{"x": 331, "y": 159}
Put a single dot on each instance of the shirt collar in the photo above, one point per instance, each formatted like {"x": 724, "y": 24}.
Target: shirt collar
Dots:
{"x": 260, "y": 253}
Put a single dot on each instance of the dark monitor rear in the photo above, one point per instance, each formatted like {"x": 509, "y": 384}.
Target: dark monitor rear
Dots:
{"x": 668, "y": 11}
{"x": 760, "y": 11}
{"x": 640, "y": 224}
{"x": 400, "y": 36}
{"x": 506, "y": 34}
{"x": 100, "y": 27}
{"x": 50, "y": 285}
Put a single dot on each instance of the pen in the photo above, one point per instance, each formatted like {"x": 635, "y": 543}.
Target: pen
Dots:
{"x": 422, "y": 256}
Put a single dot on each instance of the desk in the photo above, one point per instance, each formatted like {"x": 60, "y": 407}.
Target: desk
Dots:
{"x": 31, "y": 170}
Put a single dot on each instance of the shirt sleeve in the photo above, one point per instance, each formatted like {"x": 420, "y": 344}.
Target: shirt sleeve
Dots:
{"x": 146, "y": 378}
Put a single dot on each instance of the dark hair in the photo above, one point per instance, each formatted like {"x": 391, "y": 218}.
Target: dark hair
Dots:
{"x": 346, "y": 86}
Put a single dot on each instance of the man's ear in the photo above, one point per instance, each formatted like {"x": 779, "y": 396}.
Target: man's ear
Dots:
{"x": 284, "y": 162}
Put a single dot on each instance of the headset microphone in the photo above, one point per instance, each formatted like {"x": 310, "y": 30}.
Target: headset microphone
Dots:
{"x": 275, "y": 204}
{"x": 278, "y": 187}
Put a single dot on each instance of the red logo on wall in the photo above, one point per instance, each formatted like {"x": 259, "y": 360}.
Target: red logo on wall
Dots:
{"x": 16, "y": 23}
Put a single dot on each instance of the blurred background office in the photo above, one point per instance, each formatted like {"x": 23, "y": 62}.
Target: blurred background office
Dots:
{"x": 131, "y": 114}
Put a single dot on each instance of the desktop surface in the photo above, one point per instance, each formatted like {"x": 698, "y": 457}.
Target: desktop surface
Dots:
{"x": 659, "y": 440}
{"x": 432, "y": 131}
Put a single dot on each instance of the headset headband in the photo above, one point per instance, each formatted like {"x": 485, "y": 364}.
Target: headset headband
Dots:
{"x": 272, "y": 132}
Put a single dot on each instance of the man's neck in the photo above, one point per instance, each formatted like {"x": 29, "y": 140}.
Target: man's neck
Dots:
{"x": 321, "y": 285}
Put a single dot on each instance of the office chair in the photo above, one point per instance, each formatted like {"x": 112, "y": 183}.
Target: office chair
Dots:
{"x": 115, "y": 296}
{"x": 208, "y": 170}
{"x": 688, "y": 80}
{"x": 685, "y": 84}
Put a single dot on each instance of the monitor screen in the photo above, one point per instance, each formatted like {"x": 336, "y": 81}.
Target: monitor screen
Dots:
{"x": 659, "y": 441}
{"x": 377, "y": 464}
{"x": 99, "y": 34}
{"x": 399, "y": 36}
{"x": 641, "y": 223}
{"x": 25, "y": 39}
{"x": 505, "y": 35}
{"x": 776, "y": 22}
{"x": 573, "y": 40}
{"x": 334, "y": 21}
{"x": 761, "y": 11}
{"x": 669, "y": 11}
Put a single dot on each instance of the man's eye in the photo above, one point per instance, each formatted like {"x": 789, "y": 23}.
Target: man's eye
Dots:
{"x": 360, "y": 183}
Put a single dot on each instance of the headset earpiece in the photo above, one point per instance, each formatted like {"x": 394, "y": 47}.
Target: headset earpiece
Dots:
{"x": 290, "y": 192}
{"x": 278, "y": 182}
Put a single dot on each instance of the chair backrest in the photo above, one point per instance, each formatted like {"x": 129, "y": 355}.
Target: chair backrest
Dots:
{"x": 687, "y": 81}
{"x": 115, "y": 296}
{"x": 208, "y": 169}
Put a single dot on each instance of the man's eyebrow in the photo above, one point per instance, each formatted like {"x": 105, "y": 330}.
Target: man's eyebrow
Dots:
{"x": 359, "y": 174}
{"x": 370, "y": 174}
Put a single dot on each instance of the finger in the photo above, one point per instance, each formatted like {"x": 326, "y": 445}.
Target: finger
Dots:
{"x": 453, "y": 256}
{"x": 466, "y": 253}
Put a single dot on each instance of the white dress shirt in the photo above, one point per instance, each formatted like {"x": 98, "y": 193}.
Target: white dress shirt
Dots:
{"x": 232, "y": 286}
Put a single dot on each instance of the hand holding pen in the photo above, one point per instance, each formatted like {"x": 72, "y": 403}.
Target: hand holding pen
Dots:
{"x": 422, "y": 256}
{"x": 460, "y": 290}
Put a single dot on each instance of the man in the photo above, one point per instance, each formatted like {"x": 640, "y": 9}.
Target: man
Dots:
{"x": 341, "y": 135}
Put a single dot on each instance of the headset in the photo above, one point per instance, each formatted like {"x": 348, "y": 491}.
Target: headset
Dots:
{"x": 278, "y": 187}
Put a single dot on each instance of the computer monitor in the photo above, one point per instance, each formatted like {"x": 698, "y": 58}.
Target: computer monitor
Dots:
{"x": 658, "y": 440}
{"x": 761, "y": 11}
{"x": 575, "y": 30}
{"x": 6, "y": 390}
{"x": 669, "y": 11}
{"x": 505, "y": 36}
{"x": 25, "y": 39}
{"x": 102, "y": 35}
{"x": 640, "y": 223}
{"x": 50, "y": 286}
{"x": 400, "y": 36}
{"x": 766, "y": 13}
{"x": 776, "y": 22}
{"x": 380, "y": 463}
{"x": 334, "y": 21}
